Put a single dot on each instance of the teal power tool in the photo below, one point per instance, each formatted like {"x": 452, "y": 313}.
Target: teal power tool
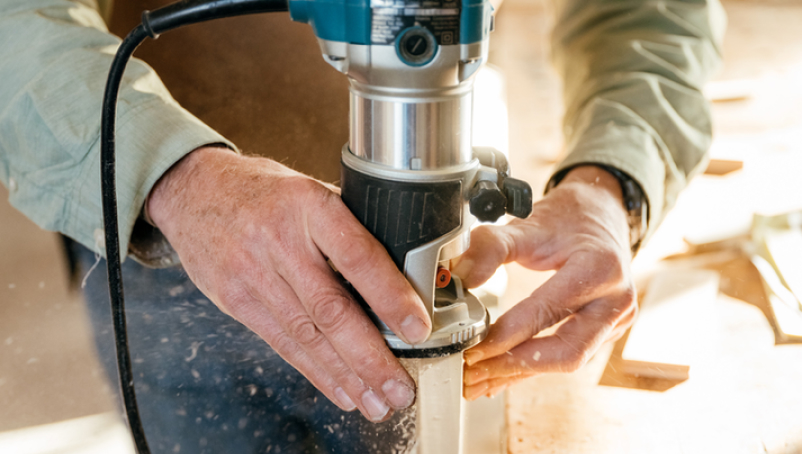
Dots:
{"x": 409, "y": 171}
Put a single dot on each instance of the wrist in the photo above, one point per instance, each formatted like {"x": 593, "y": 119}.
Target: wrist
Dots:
{"x": 629, "y": 197}
{"x": 598, "y": 178}
{"x": 603, "y": 188}
{"x": 165, "y": 198}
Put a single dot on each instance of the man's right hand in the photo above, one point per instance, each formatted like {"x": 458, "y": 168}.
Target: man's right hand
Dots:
{"x": 254, "y": 236}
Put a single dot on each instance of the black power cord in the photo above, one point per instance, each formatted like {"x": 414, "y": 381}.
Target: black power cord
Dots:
{"x": 153, "y": 23}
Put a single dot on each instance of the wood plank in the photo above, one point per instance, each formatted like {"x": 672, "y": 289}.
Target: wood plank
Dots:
{"x": 674, "y": 324}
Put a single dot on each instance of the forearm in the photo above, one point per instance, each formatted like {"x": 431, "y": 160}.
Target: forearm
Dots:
{"x": 633, "y": 73}
{"x": 54, "y": 63}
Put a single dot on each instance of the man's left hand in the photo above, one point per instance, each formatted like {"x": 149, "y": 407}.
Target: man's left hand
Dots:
{"x": 580, "y": 230}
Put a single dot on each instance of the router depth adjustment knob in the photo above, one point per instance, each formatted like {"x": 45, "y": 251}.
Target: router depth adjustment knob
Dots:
{"x": 416, "y": 46}
{"x": 487, "y": 202}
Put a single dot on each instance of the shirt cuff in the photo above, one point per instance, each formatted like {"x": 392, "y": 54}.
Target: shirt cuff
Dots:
{"x": 151, "y": 138}
{"x": 630, "y": 149}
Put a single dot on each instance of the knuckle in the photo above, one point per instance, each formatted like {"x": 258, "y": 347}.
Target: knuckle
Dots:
{"x": 616, "y": 334}
{"x": 633, "y": 314}
{"x": 496, "y": 240}
{"x": 303, "y": 331}
{"x": 481, "y": 233}
{"x": 235, "y": 300}
{"x": 575, "y": 359}
{"x": 545, "y": 316}
{"x": 327, "y": 196}
{"x": 250, "y": 232}
{"x": 236, "y": 259}
{"x": 604, "y": 270}
{"x": 360, "y": 253}
{"x": 610, "y": 262}
{"x": 519, "y": 367}
{"x": 285, "y": 344}
{"x": 359, "y": 257}
{"x": 231, "y": 298}
{"x": 341, "y": 372}
{"x": 509, "y": 246}
{"x": 376, "y": 363}
{"x": 629, "y": 297}
{"x": 321, "y": 198}
{"x": 628, "y": 313}
{"x": 624, "y": 302}
{"x": 278, "y": 241}
{"x": 330, "y": 310}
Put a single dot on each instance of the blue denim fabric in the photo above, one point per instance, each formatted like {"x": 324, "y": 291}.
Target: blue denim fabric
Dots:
{"x": 205, "y": 384}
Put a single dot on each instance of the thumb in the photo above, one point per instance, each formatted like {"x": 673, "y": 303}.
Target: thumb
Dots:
{"x": 491, "y": 247}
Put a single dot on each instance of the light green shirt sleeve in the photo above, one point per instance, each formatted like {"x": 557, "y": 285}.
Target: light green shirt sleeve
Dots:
{"x": 633, "y": 72}
{"x": 54, "y": 60}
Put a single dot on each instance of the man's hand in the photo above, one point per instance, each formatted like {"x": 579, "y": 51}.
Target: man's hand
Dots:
{"x": 255, "y": 237}
{"x": 579, "y": 229}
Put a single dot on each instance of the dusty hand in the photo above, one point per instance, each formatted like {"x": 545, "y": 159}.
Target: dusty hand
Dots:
{"x": 580, "y": 230}
{"x": 254, "y": 236}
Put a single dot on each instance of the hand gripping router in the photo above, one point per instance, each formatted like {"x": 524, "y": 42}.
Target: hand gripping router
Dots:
{"x": 409, "y": 171}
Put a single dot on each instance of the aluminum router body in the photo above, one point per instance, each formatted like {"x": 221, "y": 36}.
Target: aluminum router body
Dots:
{"x": 421, "y": 134}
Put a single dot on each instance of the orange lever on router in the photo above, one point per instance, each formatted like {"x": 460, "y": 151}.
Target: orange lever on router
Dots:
{"x": 443, "y": 278}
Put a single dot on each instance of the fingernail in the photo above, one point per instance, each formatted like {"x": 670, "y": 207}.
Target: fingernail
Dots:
{"x": 375, "y": 407}
{"x": 345, "y": 402}
{"x": 472, "y": 357}
{"x": 398, "y": 394}
{"x": 463, "y": 268}
{"x": 414, "y": 330}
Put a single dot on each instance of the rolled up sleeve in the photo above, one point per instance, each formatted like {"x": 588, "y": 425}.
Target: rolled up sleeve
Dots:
{"x": 633, "y": 72}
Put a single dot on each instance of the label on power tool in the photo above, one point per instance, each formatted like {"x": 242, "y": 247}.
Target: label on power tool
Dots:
{"x": 391, "y": 17}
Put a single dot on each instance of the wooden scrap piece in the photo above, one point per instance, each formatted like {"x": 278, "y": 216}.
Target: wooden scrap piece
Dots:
{"x": 785, "y": 250}
{"x": 721, "y": 167}
{"x": 729, "y": 90}
{"x": 777, "y": 255}
{"x": 675, "y": 322}
{"x": 784, "y": 304}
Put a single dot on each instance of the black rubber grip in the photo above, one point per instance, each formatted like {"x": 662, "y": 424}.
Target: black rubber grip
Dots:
{"x": 402, "y": 215}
